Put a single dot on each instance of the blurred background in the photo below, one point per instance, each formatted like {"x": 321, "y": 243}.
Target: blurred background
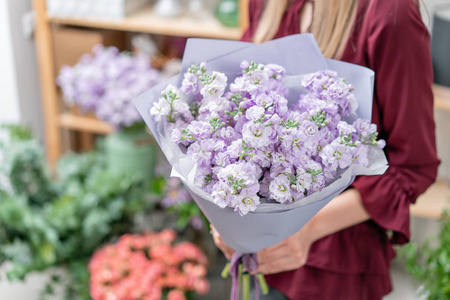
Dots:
{"x": 79, "y": 171}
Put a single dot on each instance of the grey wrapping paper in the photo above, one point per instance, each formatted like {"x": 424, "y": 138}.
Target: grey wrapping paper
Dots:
{"x": 270, "y": 223}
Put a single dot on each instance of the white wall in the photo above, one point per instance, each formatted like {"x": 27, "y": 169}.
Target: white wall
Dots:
{"x": 442, "y": 118}
{"x": 19, "y": 82}
{"x": 9, "y": 98}
{"x": 27, "y": 78}
{"x": 430, "y": 7}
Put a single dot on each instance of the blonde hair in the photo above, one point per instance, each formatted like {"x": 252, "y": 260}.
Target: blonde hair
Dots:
{"x": 331, "y": 24}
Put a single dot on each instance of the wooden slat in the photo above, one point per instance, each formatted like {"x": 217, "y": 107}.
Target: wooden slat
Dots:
{"x": 47, "y": 78}
{"x": 84, "y": 124}
{"x": 86, "y": 141}
{"x": 441, "y": 97}
{"x": 146, "y": 21}
{"x": 433, "y": 201}
{"x": 243, "y": 14}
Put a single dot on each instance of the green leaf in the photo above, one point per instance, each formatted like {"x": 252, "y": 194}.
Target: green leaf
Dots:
{"x": 431, "y": 265}
{"x": 47, "y": 252}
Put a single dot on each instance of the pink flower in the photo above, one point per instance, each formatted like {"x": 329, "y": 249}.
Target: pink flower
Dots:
{"x": 168, "y": 235}
{"x": 176, "y": 295}
{"x": 202, "y": 286}
{"x": 142, "y": 266}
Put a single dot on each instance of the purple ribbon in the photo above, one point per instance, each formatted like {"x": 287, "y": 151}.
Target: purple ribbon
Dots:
{"x": 250, "y": 263}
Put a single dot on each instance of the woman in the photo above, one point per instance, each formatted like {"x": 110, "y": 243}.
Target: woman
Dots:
{"x": 344, "y": 252}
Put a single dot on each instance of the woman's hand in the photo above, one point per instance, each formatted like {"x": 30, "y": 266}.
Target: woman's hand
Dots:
{"x": 227, "y": 251}
{"x": 287, "y": 255}
{"x": 344, "y": 211}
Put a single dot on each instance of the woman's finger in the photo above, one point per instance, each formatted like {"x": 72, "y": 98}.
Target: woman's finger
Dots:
{"x": 227, "y": 251}
{"x": 273, "y": 248}
{"x": 273, "y": 254}
{"x": 282, "y": 264}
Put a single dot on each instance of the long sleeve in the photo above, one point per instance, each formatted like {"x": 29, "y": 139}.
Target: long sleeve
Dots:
{"x": 398, "y": 50}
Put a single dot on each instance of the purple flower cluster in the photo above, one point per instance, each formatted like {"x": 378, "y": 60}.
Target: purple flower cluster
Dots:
{"x": 106, "y": 82}
{"x": 249, "y": 144}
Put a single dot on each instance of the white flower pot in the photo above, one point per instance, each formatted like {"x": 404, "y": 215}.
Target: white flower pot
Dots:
{"x": 168, "y": 8}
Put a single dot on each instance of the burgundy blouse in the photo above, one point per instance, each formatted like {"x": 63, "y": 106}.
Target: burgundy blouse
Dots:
{"x": 390, "y": 38}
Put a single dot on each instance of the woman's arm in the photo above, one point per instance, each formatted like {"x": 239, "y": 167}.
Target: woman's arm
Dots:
{"x": 344, "y": 211}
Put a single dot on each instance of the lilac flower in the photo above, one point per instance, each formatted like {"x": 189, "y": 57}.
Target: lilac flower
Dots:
{"x": 262, "y": 157}
{"x": 222, "y": 159}
{"x": 345, "y": 129}
{"x": 255, "y": 113}
{"x": 171, "y": 107}
{"x": 280, "y": 189}
{"x": 244, "y": 65}
{"x": 201, "y": 151}
{"x": 160, "y": 109}
{"x": 214, "y": 106}
{"x": 275, "y": 71}
{"x": 350, "y": 106}
{"x": 175, "y": 193}
{"x": 228, "y": 134}
{"x": 280, "y": 102}
{"x": 317, "y": 82}
{"x": 257, "y": 135}
{"x": 360, "y": 156}
{"x": 317, "y": 185}
{"x": 190, "y": 84}
{"x": 213, "y": 85}
{"x": 309, "y": 128}
{"x": 196, "y": 222}
{"x": 257, "y": 81}
{"x": 205, "y": 179}
{"x": 293, "y": 141}
{"x": 175, "y": 136}
{"x": 235, "y": 149}
{"x": 303, "y": 180}
{"x": 381, "y": 144}
{"x": 199, "y": 130}
{"x": 337, "y": 155}
{"x": 247, "y": 200}
{"x": 279, "y": 158}
{"x": 106, "y": 82}
{"x": 338, "y": 90}
{"x": 239, "y": 84}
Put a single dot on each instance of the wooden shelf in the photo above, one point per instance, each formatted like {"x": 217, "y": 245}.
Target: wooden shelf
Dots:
{"x": 433, "y": 202}
{"x": 441, "y": 97}
{"x": 147, "y": 21}
{"x": 143, "y": 21}
{"x": 84, "y": 123}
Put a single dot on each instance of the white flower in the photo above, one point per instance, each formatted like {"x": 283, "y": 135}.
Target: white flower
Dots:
{"x": 160, "y": 109}
{"x": 254, "y": 113}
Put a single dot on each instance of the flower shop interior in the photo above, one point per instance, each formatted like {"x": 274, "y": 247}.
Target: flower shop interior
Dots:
{"x": 88, "y": 207}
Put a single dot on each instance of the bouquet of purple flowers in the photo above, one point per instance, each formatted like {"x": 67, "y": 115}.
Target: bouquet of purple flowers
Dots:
{"x": 263, "y": 136}
{"x": 249, "y": 144}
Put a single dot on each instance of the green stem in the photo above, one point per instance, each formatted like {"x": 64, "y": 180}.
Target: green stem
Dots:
{"x": 226, "y": 271}
{"x": 263, "y": 284}
{"x": 246, "y": 286}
